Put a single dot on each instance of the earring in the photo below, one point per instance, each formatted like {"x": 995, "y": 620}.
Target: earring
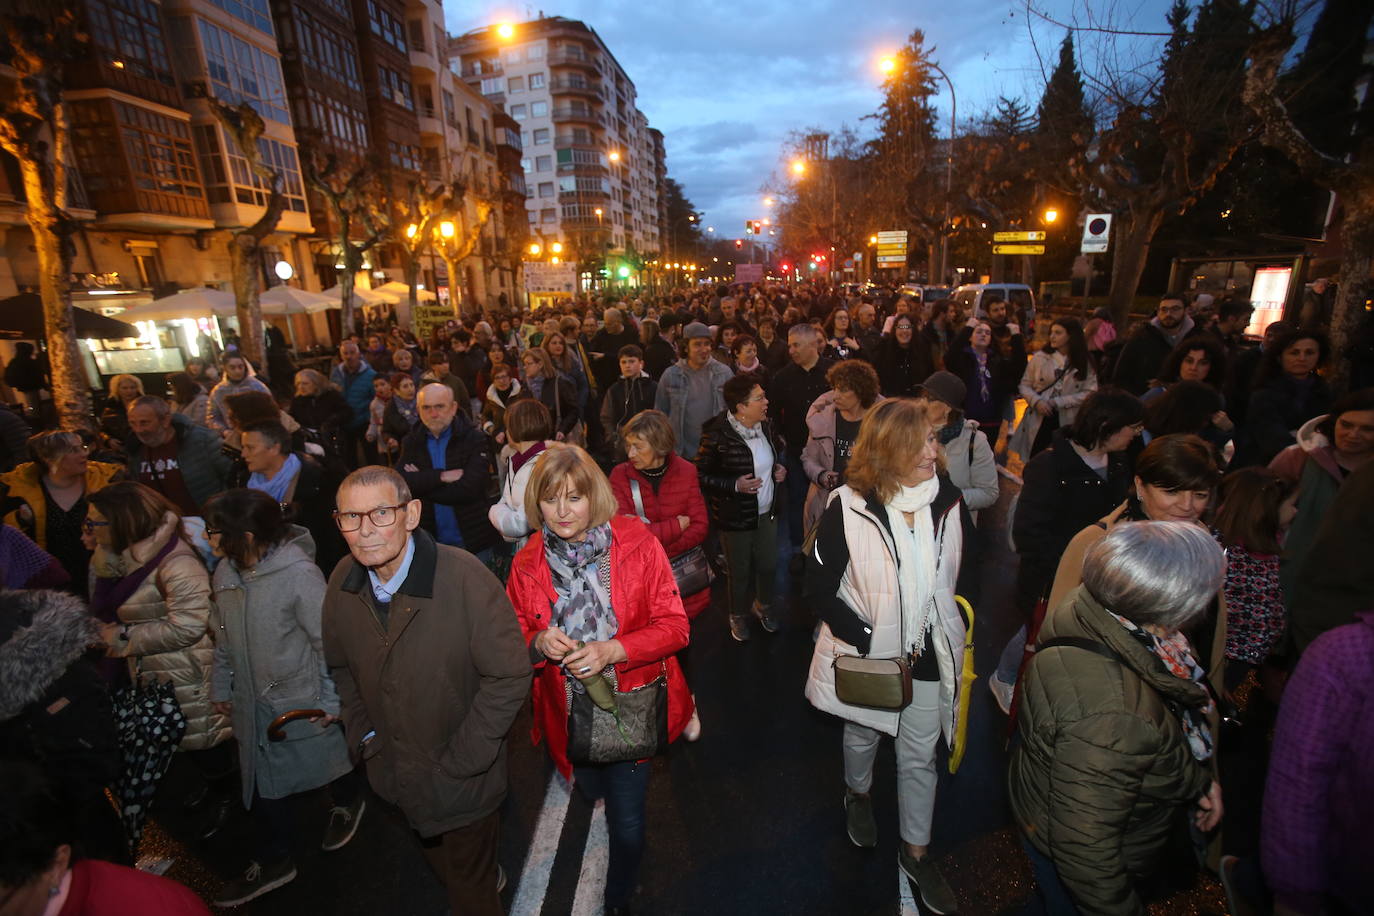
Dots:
{"x": 54, "y": 890}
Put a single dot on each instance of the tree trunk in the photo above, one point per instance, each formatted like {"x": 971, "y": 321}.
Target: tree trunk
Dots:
{"x": 451, "y": 268}
{"x": 243, "y": 251}
{"x": 70, "y": 386}
{"x": 405, "y": 311}
{"x": 475, "y": 296}
{"x": 1134, "y": 232}
{"x": 353, "y": 262}
{"x": 1353, "y": 285}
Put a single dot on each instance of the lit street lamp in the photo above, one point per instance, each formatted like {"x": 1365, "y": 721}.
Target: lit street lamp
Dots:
{"x": 1051, "y": 214}
{"x": 798, "y": 167}
{"x": 506, "y": 31}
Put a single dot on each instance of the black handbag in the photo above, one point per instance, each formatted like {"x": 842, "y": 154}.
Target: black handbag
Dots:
{"x": 636, "y": 730}
{"x": 690, "y": 568}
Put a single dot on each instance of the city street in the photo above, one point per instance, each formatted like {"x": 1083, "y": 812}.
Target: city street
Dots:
{"x": 747, "y": 820}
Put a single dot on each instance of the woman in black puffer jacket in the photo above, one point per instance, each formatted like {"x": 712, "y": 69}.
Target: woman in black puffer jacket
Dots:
{"x": 740, "y": 463}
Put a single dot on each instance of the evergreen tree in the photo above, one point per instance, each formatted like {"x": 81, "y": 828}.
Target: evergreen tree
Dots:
{"x": 1063, "y": 125}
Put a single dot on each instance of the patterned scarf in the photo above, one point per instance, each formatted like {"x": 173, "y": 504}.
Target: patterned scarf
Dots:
{"x": 745, "y": 432}
{"x": 1173, "y": 650}
{"x": 583, "y": 610}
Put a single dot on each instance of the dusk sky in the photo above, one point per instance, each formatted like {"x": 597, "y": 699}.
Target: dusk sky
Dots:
{"x": 727, "y": 82}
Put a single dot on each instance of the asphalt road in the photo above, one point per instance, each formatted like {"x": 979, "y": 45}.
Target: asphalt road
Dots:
{"x": 746, "y": 821}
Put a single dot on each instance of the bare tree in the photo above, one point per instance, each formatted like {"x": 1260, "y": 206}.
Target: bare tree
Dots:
{"x": 33, "y": 130}
{"x": 1352, "y": 179}
{"x": 415, "y": 218}
{"x": 456, "y": 239}
{"x": 245, "y": 126}
{"x": 354, "y": 196}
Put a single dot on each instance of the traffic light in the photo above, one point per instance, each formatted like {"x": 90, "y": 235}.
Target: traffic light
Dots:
{"x": 786, "y": 267}
{"x": 749, "y": 227}
{"x": 739, "y": 244}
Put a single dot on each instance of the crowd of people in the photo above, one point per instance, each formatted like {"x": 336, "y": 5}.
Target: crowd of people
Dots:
{"x": 383, "y": 564}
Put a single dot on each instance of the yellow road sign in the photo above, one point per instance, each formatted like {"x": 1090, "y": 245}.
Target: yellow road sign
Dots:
{"x": 1018, "y": 249}
{"x": 1029, "y": 235}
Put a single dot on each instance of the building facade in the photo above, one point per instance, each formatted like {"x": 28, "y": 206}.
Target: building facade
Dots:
{"x": 591, "y": 162}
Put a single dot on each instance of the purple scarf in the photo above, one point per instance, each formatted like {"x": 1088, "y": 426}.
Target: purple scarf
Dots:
{"x": 109, "y": 594}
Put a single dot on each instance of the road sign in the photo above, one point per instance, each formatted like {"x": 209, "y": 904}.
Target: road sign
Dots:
{"x": 892, "y": 235}
{"x": 1097, "y": 230}
{"x": 891, "y": 261}
{"x": 1018, "y": 249}
{"x": 1029, "y": 235}
{"x": 748, "y": 273}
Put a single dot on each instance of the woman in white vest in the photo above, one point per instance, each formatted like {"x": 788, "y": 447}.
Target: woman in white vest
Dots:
{"x": 881, "y": 575}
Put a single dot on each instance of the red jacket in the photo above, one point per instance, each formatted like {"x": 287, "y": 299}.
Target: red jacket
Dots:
{"x": 653, "y": 626}
{"x": 679, "y": 493}
{"x": 113, "y": 890}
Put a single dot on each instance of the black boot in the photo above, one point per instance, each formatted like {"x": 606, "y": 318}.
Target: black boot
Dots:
{"x": 217, "y": 811}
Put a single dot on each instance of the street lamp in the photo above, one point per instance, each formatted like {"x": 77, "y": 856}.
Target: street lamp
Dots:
{"x": 768, "y": 201}
{"x": 506, "y": 31}
{"x": 446, "y": 229}
{"x": 613, "y": 155}
{"x": 556, "y": 248}
{"x": 798, "y": 167}
{"x": 887, "y": 64}
{"x": 411, "y": 230}
{"x": 1051, "y": 214}
{"x": 535, "y": 249}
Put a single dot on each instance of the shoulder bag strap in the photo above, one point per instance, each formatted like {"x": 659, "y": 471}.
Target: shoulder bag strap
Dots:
{"x": 1079, "y": 642}
{"x": 639, "y": 500}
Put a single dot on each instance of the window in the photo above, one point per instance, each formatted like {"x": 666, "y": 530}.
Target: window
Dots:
{"x": 493, "y": 85}
{"x": 534, "y": 52}
{"x": 161, "y": 160}
{"x": 240, "y": 72}
{"x": 417, "y": 34}
{"x": 132, "y": 29}
{"x": 525, "y": 164}
{"x": 575, "y": 157}
{"x": 450, "y": 109}
{"x": 253, "y": 12}
{"x": 513, "y": 56}
{"x": 536, "y": 81}
{"x": 546, "y": 189}
{"x": 346, "y": 125}
{"x": 240, "y": 183}
{"x": 541, "y": 136}
{"x": 395, "y": 87}
{"x": 424, "y": 95}
{"x": 330, "y": 54}
{"x": 515, "y": 84}
{"x": 539, "y": 109}
{"x": 404, "y": 156}
{"x": 518, "y": 112}
{"x": 543, "y": 163}
{"x": 575, "y": 183}
{"x": 548, "y": 216}
{"x": 385, "y": 24}
{"x": 533, "y": 215}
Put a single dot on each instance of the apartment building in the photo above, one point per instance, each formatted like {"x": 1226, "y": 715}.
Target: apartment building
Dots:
{"x": 591, "y": 162}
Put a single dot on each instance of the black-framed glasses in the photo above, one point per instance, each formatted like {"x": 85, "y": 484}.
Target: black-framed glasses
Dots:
{"x": 381, "y": 517}
{"x": 213, "y": 532}
{"x": 91, "y": 524}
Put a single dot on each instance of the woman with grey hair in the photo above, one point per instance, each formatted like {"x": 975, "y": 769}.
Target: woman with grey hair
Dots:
{"x": 1116, "y": 720}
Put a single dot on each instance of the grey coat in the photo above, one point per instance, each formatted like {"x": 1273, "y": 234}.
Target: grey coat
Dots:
{"x": 269, "y": 659}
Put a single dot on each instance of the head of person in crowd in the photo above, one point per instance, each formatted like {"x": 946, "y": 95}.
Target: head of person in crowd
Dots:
{"x": 61, "y": 454}
{"x": 1297, "y": 355}
{"x": 903, "y": 330}
{"x": 1171, "y": 311}
{"x": 536, "y": 363}
{"x": 196, "y": 367}
{"x": 244, "y": 525}
{"x": 896, "y": 448}
{"x": 1196, "y": 359}
{"x": 648, "y": 330}
{"x": 550, "y": 325}
{"x": 745, "y": 351}
{"x": 697, "y": 346}
{"x": 125, "y": 388}
{"x": 569, "y": 327}
{"x": 996, "y": 311}
{"x": 402, "y": 385}
{"x": 350, "y": 356}
{"x": 403, "y": 359}
{"x": 804, "y": 345}
{"x": 36, "y": 840}
{"x": 1202, "y": 308}
{"x": 150, "y": 420}
{"x": 1233, "y": 316}
{"x": 1273, "y": 333}
{"x": 940, "y": 314}
{"x": 437, "y": 407}
{"x": 376, "y": 514}
{"x": 615, "y": 321}
{"x": 439, "y": 363}
{"x": 1175, "y": 477}
{"x": 725, "y": 336}
{"x": 265, "y": 446}
{"x": 589, "y": 325}
{"x": 124, "y": 513}
{"x": 1349, "y": 426}
{"x": 855, "y": 384}
{"x": 501, "y": 377}
{"x": 980, "y": 338}
{"x": 1066, "y": 337}
{"x": 631, "y": 358}
{"x": 867, "y": 316}
{"x": 791, "y": 316}
{"x": 180, "y": 388}
{"x": 745, "y": 399}
{"x": 462, "y": 340}
{"x": 1253, "y": 505}
{"x": 381, "y": 387}
{"x": 528, "y": 421}
{"x": 246, "y": 407}
{"x": 568, "y": 495}
{"x": 235, "y": 367}
{"x": 1320, "y": 286}
{"x": 1108, "y": 421}
{"x": 1187, "y": 407}
{"x": 649, "y": 439}
{"x": 768, "y": 329}
{"x": 837, "y": 324}
{"x": 944, "y": 394}
{"x": 496, "y": 353}
{"x": 1161, "y": 576}
{"x": 481, "y": 332}
{"x": 310, "y": 383}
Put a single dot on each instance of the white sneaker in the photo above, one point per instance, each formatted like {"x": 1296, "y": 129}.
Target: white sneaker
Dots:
{"x": 1003, "y": 692}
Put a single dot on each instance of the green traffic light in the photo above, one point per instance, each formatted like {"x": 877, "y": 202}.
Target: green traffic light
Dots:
{"x": 623, "y": 272}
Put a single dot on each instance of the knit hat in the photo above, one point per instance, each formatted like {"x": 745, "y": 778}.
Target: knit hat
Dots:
{"x": 694, "y": 330}
{"x": 947, "y": 387}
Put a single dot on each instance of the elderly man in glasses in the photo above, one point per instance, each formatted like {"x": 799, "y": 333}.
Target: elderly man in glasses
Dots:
{"x": 431, "y": 670}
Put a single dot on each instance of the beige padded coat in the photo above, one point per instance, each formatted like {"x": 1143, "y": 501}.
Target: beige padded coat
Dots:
{"x": 168, "y": 619}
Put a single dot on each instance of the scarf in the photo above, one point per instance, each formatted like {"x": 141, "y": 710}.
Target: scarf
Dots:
{"x": 518, "y": 460}
{"x": 280, "y": 484}
{"x": 583, "y": 610}
{"x": 407, "y": 409}
{"x": 745, "y": 432}
{"x": 1173, "y": 650}
{"x": 915, "y": 559}
{"x": 984, "y": 394}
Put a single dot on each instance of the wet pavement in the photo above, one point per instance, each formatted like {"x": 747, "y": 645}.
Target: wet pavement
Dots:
{"x": 746, "y": 821}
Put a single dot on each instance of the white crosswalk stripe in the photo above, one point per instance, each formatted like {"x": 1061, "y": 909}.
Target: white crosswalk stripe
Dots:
{"x": 591, "y": 882}
{"x": 534, "y": 877}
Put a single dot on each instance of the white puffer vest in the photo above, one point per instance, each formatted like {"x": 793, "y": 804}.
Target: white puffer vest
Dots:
{"x": 869, "y": 586}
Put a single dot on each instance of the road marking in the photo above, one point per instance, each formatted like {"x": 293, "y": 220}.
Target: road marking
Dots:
{"x": 534, "y": 876}
{"x": 905, "y": 898}
{"x": 596, "y": 856}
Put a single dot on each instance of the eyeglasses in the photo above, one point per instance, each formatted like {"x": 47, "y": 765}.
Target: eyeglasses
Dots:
{"x": 213, "y": 532}
{"x": 91, "y": 524}
{"x": 381, "y": 517}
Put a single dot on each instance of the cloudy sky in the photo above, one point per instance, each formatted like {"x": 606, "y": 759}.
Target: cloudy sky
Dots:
{"x": 728, "y": 82}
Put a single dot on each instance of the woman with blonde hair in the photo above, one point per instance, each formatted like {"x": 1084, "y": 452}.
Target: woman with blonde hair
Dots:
{"x": 557, "y": 394}
{"x": 567, "y": 364}
{"x": 881, "y": 576}
{"x": 596, "y": 600}
{"x": 114, "y": 412}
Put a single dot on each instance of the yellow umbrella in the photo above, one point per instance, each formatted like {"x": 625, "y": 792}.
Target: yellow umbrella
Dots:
{"x": 966, "y": 679}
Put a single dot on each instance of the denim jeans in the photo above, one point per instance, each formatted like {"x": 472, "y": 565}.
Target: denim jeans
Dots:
{"x": 624, "y": 786}
{"x": 1053, "y": 897}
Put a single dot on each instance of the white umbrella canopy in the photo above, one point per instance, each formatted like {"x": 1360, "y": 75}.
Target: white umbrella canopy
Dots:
{"x": 361, "y": 296}
{"x": 288, "y": 300}
{"x": 199, "y": 302}
{"x": 397, "y": 288}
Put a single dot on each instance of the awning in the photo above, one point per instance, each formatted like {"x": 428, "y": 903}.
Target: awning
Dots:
{"x": 21, "y": 317}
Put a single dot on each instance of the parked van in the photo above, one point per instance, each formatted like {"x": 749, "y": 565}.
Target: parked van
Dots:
{"x": 971, "y": 296}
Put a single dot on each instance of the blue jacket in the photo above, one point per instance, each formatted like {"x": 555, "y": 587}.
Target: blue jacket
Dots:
{"x": 357, "y": 391}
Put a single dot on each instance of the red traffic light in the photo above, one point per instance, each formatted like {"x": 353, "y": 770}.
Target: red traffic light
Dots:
{"x": 786, "y": 266}
{"x": 739, "y": 244}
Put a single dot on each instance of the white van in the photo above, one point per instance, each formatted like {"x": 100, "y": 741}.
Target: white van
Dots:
{"x": 971, "y": 296}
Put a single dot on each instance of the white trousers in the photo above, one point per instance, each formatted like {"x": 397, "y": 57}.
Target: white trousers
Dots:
{"x": 918, "y": 733}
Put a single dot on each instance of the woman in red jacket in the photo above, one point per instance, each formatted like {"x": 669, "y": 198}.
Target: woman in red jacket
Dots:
{"x": 595, "y": 594}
